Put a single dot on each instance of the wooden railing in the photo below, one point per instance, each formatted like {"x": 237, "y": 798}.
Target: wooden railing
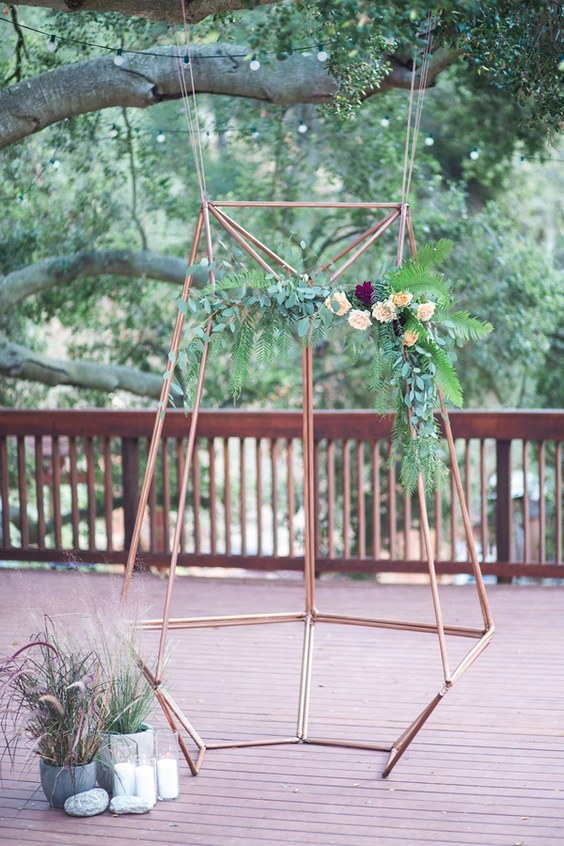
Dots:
{"x": 69, "y": 482}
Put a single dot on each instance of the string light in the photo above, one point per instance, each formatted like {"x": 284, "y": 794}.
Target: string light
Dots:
{"x": 385, "y": 121}
{"x": 55, "y": 164}
{"x": 474, "y": 154}
{"x": 254, "y": 64}
{"x": 114, "y": 131}
{"x": 322, "y": 56}
{"x": 118, "y": 58}
{"x": 186, "y": 59}
{"x": 121, "y": 51}
{"x": 161, "y": 137}
{"x": 52, "y": 44}
{"x": 302, "y": 127}
{"x": 429, "y": 140}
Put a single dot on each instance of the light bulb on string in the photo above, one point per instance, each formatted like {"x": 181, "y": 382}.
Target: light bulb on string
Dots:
{"x": 322, "y": 55}
{"x": 385, "y": 121}
{"x": 119, "y": 58}
{"x": 52, "y": 45}
{"x": 186, "y": 59}
{"x": 114, "y": 131}
{"x": 429, "y": 140}
{"x": 474, "y": 154}
{"x": 254, "y": 63}
{"x": 255, "y": 133}
{"x": 161, "y": 137}
{"x": 302, "y": 127}
{"x": 55, "y": 164}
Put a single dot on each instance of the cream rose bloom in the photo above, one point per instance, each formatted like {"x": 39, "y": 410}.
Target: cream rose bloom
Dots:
{"x": 410, "y": 338}
{"x": 401, "y": 298}
{"x": 384, "y": 311}
{"x": 425, "y": 311}
{"x": 359, "y": 319}
{"x": 338, "y": 303}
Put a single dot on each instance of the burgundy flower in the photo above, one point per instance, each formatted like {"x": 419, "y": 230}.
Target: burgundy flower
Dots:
{"x": 364, "y": 292}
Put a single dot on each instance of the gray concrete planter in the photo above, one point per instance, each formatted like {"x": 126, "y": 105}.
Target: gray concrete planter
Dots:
{"x": 59, "y": 783}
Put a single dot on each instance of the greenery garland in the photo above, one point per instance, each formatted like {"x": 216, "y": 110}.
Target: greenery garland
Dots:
{"x": 407, "y": 319}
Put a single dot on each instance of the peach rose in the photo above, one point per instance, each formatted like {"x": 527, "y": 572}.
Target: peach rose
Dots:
{"x": 384, "y": 311}
{"x": 401, "y": 298}
{"x": 338, "y": 303}
{"x": 410, "y": 338}
{"x": 359, "y": 319}
{"x": 425, "y": 311}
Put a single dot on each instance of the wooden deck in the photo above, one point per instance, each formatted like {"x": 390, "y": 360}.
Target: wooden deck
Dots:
{"x": 487, "y": 770}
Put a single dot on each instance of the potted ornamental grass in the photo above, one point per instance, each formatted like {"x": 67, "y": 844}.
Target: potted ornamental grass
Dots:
{"x": 129, "y": 699}
{"x": 52, "y": 695}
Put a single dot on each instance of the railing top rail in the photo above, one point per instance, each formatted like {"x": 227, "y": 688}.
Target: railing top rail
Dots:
{"x": 534, "y": 425}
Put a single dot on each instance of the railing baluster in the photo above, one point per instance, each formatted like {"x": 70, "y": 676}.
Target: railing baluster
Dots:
{"x": 438, "y": 528}
{"x": 526, "y": 505}
{"x": 361, "y": 543}
{"x": 290, "y": 491}
{"x": 406, "y": 528}
{"x": 258, "y": 466}
{"x": 483, "y": 501}
{"x": 274, "y": 493}
{"x": 392, "y": 505}
{"x": 346, "y": 499}
{"x": 5, "y": 491}
{"x": 73, "y": 482}
{"x": 90, "y": 485}
{"x": 376, "y": 522}
{"x": 22, "y": 491}
{"x": 467, "y": 483}
{"x": 56, "y": 491}
{"x": 331, "y": 497}
{"x": 196, "y": 500}
{"x": 227, "y": 496}
{"x": 317, "y": 516}
{"x": 504, "y": 518}
{"x": 212, "y": 496}
{"x": 166, "y": 496}
{"x": 453, "y": 518}
{"x": 242, "y": 496}
{"x": 558, "y": 503}
{"x": 542, "y": 503}
{"x": 39, "y": 492}
{"x": 108, "y": 494}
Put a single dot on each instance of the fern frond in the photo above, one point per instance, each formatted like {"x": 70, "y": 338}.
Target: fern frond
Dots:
{"x": 242, "y": 352}
{"x": 465, "y": 327}
{"x": 419, "y": 281}
{"x": 431, "y": 254}
{"x": 445, "y": 374}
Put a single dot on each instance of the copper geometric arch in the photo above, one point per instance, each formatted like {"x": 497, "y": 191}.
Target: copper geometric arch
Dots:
{"x": 309, "y": 615}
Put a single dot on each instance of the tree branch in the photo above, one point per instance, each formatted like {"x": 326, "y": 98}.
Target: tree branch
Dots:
{"x": 23, "y": 363}
{"x": 52, "y": 272}
{"x": 164, "y": 10}
{"x": 144, "y": 80}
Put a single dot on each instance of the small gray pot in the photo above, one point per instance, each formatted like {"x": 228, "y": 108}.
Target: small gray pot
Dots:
{"x": 116, "y": 747}
{"x": 59, "y": 783}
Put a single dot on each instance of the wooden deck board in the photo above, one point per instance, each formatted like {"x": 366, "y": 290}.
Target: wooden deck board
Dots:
{"x": 488, "y": 770}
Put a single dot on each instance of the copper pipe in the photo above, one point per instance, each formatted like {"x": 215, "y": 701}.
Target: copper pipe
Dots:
{"x": 188, "y": 461}
{"x": 159, "y": 418}
{"x": 398, "y": 625}
{"x": 401, "y": 236}
{"x": 254, "y": 240}
{"x": 240, "y": 240}
{"x": 243, "y": 744}
{"x": 354, "y": 243}
{"x": 368, "y": 243}
{"x": 347, "y": 744}
{"x": 476, "y": 650}
{"x": 309, "y": 492}
{"x": 558, "y": 475}
{"x": 232, "y": 620}
{"x": 298, "y": 205}
{"x": 410, "y": 233}
{"x": 305, "y": 680}
{"x": 173, "y": 727}
{"x": 482, "y": 596}
{"x": 200, "y": 759}
{"x": 405, "y": 739}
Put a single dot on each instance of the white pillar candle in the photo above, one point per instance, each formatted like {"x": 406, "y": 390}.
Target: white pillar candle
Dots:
{"x": 124, "y": 779}
{"x": 167, "y": 777}
{"x": 145, "y": 783}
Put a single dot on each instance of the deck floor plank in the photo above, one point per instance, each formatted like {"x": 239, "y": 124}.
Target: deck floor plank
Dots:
{"x": 487, "y": 770}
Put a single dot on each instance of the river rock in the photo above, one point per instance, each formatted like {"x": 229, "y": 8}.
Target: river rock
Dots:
{"x": 87, "y": 804}
{"x": 129, "y": 805}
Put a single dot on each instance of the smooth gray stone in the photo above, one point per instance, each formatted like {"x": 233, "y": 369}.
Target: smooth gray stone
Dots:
{"x": 87, "y": 804}
{"x": 129, "y": 805}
